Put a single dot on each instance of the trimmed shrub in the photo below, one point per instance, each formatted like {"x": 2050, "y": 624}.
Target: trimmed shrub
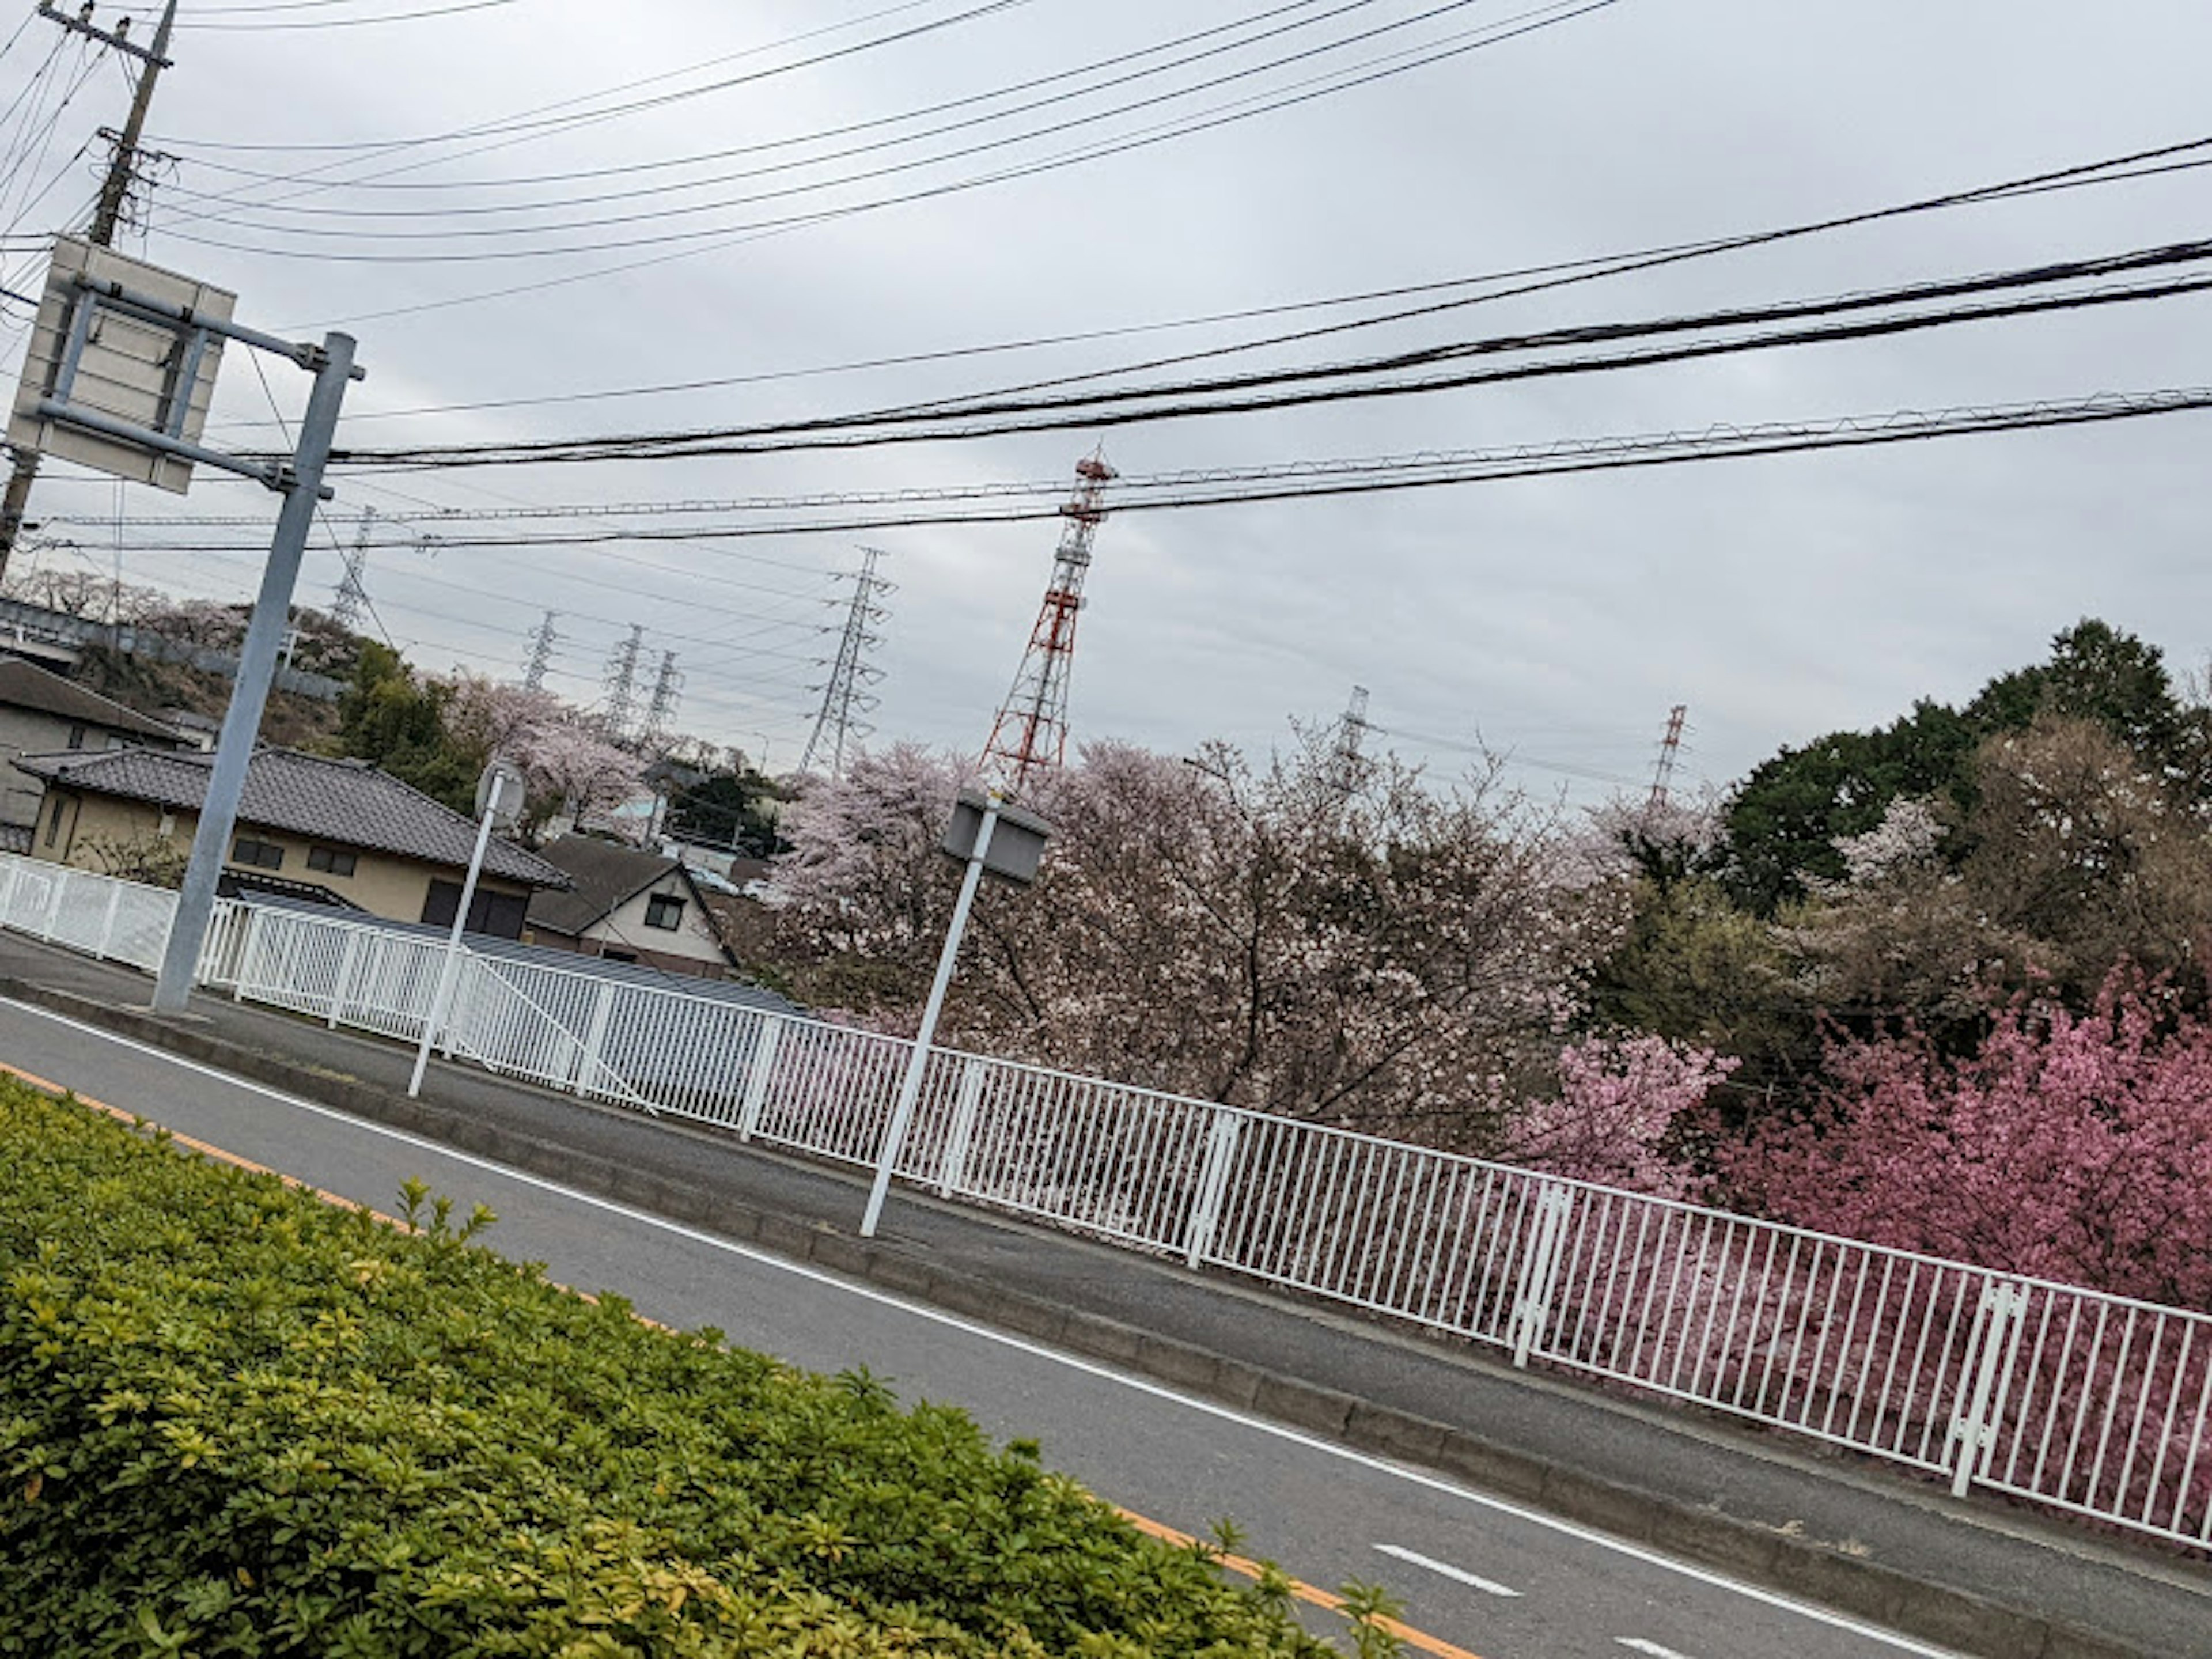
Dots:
{"x": 237, "y": 1421}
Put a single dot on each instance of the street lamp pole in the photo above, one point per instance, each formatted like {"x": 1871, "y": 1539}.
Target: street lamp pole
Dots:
{"x": 917, "y": 1062}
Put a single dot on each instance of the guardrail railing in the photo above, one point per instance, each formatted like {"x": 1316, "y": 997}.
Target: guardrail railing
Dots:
{"x": 2092, "y": 1404}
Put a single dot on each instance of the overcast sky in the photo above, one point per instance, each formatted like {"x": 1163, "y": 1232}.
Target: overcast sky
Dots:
{"x": 1558, "y": 619}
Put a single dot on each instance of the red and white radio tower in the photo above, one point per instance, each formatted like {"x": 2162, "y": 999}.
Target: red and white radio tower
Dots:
{"x": 1030, "y": 734}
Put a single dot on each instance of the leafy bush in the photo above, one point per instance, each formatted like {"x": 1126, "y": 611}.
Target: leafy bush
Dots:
{"x": 236, "y": 1421}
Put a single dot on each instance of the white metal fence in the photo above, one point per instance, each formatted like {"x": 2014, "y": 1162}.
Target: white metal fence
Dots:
{"x": 2090, "y": 1403}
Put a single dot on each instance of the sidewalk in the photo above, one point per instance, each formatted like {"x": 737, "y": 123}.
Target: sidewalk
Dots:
{"x": 1980, "y": 1575}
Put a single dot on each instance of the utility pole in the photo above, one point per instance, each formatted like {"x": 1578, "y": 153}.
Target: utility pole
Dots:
{"x": 114, "y": 190}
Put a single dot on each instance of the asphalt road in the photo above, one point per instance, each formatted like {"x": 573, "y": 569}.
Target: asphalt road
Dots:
{"x": 1491, "y": 1578}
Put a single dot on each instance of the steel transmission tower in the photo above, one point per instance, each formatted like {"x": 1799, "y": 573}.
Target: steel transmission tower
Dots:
{"x": 544, "y": 638}
{"x": 1670, "y": 750}
{"x": 1030, "y": 734}
{"x": 846, "y": 699}
{"x": 660, "y": 709}
{"x": 1346, "y": 764}
{"x": 621, "y": 682}
{"x": 352, "y": 600}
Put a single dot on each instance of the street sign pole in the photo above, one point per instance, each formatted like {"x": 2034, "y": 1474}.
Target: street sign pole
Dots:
{"x": 451, "y": 960}
{"x": 257, "y": 668}
{"x": 917, "y": 1062}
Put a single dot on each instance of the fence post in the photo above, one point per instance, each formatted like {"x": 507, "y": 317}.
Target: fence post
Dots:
{"x": 961, "y": 1135}
{"x": 758, "y": 1076}
{"x": 54, "y": 891}
{"x": 1974, "y": 1430}
{"x": 467, "y": 975}
{"x": 8, "y": 895}
{"x": 107, "y": 923}
{"x": 1212, "y": 1184}
{"x": 246, "y": 953}
{"x": 1539, "y": 1271}
{"x": 346, "y": 964}
{"x": 595, "y": 1037}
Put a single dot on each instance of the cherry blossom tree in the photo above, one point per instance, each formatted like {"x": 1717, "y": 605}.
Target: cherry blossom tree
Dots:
{"x": 1622, "y": 1103}
{"x": 569, "y": 768}
{"x": 1388, "y": 955}
{"x": 2076, "y": 1146}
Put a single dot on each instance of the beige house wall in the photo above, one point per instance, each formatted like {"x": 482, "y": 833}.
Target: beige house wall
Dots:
{"x": 692, "y": 941}
{"x": 34, "y": 731}
{"x": 382, "y": 883}
{"x": 691, "y": 947}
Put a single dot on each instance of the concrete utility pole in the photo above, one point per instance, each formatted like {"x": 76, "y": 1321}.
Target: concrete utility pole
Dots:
{"x": 114, "y": 190}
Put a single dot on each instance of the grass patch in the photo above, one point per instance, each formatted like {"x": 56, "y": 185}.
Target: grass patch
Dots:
{"x": 237, "y": 1421}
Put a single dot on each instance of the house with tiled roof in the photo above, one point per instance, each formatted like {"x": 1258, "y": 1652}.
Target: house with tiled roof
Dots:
{"x": 336, "y": 832}
{"x": 627, "y": 905}
{"x": 42, "y": 711}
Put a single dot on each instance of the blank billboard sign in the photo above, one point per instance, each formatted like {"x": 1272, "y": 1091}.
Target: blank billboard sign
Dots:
{"x": 94, "y": 351}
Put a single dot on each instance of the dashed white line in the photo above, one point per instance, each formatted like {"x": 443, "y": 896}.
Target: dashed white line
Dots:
{"x": 1637, "y": 1645}
{"x": 1487, "y": 1586}
{"x": 952, "y": 1321}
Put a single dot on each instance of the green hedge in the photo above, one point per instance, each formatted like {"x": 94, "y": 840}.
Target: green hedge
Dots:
{"x": 235, "y": 1420}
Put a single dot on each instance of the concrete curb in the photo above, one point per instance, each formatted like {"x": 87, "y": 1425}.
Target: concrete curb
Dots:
{"x": 1804, "y": 1568}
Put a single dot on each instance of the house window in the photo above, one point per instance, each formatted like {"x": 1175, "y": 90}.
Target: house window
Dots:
{"x": 330, "y": 860}
{"x": 261, "y": 854}
{"x": 54, "y": 823}
{"x": 77, "y": 737}
{"x": 500, "y": 915}
{"x": 664, "y": 912}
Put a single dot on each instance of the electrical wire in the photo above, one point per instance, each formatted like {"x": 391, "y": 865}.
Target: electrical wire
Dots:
{"x": 1315, "y": 480}
{"x": 2113, "y": 170}
{"x": 383, "y": 182}
{"x": 1327, "y": 84}
{"x": 1832, "y": 318}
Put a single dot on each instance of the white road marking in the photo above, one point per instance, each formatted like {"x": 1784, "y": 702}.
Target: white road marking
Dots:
{"x": 984, "y": 1332}
{"x": 1637, "y": 1645}
{"x": 1487, "y": 1586}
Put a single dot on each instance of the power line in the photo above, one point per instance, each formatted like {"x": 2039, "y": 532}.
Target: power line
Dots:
{"x": 383, "y": 182}
{"x": 1318, "y": 479}
{"x": 1366, "y": 378}
{"x": 2116, "y": 169}
{"x": 544, "y": 118}
{"x": 660, "y": 193}
{"x": 1328, "y": 83}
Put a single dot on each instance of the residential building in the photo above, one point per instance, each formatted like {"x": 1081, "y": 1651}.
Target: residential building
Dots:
{"x": 336, "y": 832}
{"x": 627, "y": 905}
{"x": 42, "y": 711}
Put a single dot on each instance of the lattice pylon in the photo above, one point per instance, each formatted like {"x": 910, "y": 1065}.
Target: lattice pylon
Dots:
{"x": 1030, "y": 733}
{"x": 846, "y": 699}
{"x": 1670, "y": 751}
{"x": 352, "y": 597}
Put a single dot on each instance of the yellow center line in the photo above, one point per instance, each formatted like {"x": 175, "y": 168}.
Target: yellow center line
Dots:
{"x": 1299, "y": 1588}
{"x": 1167, "y": 1534}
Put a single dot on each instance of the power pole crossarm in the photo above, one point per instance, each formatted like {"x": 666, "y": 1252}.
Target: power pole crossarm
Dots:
{"x": 123, "y": 169}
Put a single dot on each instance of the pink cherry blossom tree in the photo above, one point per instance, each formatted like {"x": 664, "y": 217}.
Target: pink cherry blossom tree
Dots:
{"x": 2075, "y": 1146}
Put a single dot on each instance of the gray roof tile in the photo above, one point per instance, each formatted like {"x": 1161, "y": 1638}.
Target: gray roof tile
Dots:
{"x": 345, "y": 802}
